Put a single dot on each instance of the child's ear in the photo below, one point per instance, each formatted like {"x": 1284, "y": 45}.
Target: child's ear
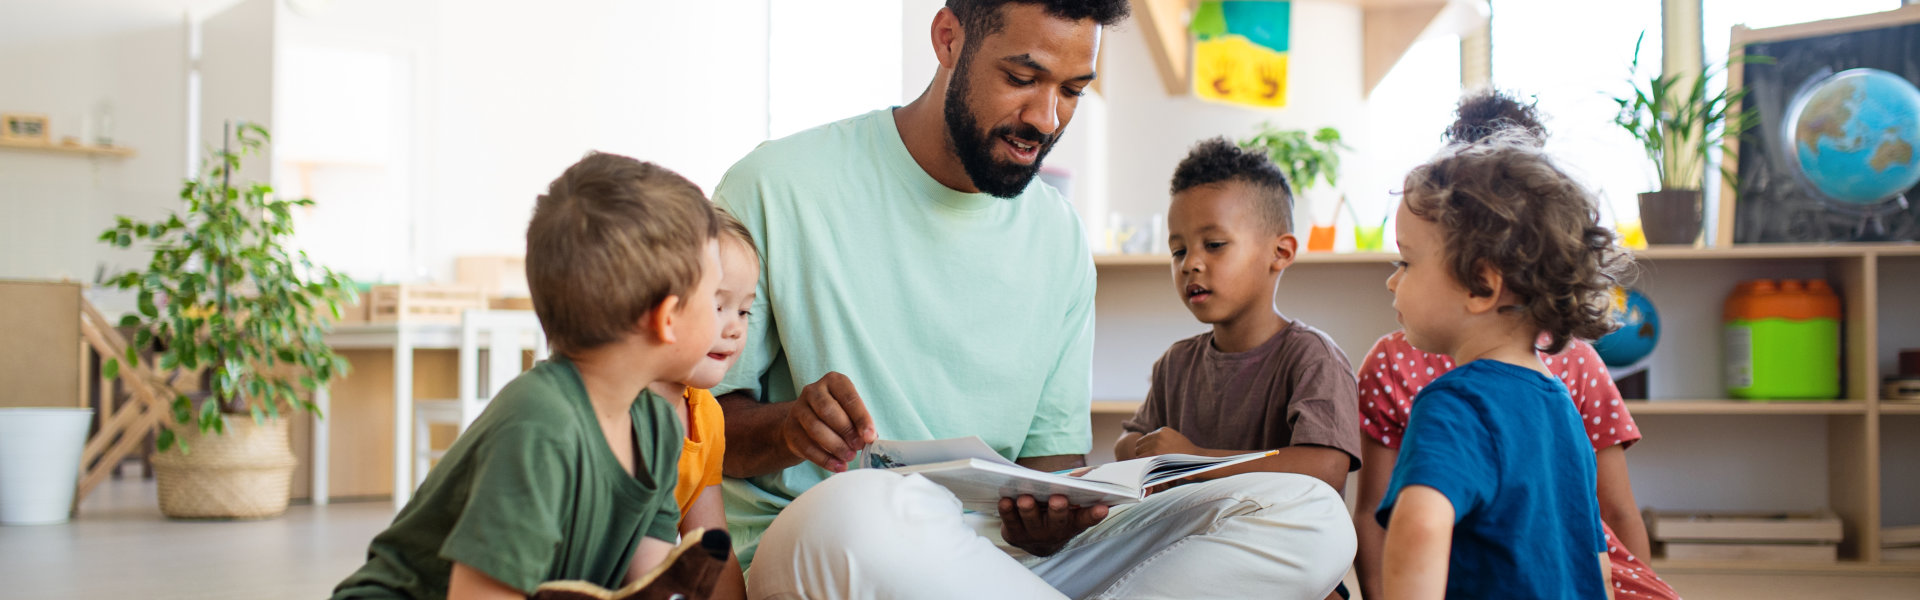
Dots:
{"x": 1284, "y": 248}
{"x": 1491, "y": 278}
{"x": 658, "y": 323}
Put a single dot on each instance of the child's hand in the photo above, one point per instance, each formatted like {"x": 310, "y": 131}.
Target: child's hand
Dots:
{"x": 1165, "y": 440}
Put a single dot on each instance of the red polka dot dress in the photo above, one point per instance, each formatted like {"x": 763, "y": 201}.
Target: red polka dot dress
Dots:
{"x": 1395, "y": 372}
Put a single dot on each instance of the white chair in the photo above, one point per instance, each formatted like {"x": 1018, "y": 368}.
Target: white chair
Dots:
{"x": 505, "y": 335}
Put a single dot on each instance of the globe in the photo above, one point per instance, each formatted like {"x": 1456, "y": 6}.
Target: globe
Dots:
{"x": 1856, "y": 134}
{"x": 1638, "y": 333}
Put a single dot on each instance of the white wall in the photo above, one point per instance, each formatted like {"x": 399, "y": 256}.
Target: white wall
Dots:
{"x": 518, "y": 97}
{"x": 1151, "y": 131}
{"x": 53, "y": 205}
{"x": 236, "y": 78}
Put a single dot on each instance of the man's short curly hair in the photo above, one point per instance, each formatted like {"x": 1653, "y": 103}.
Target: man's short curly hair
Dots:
{"x": 1502, "y": 203}
{"x": 982, "y": 18}
{"x": 1217, "y": 160}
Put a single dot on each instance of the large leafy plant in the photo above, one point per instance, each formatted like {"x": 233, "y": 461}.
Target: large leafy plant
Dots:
{"x": 1678, "y": 120}
{"x": 224, "y": 296}
{"x": 1304, "y": 158}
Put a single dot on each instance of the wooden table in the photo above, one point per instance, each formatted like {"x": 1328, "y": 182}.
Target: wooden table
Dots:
{"x": 402, "y": 339}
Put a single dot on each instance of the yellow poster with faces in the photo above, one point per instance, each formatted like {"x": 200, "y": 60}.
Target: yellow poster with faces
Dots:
{"x": 1234, "y": 70}
{"x": 1240, "y": 51}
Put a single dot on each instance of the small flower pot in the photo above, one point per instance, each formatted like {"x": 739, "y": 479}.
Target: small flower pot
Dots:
{"x": 1670, "y": 216}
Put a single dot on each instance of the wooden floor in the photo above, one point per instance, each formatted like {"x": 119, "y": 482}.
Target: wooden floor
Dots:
{"x": 121, "y": 547}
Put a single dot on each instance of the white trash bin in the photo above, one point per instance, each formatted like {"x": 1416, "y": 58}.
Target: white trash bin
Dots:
{"x": 40, "y": 462}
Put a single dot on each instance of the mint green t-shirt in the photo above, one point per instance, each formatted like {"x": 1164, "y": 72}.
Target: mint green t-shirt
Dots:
{"x": 531, "y": 493}
{"x": 953, "y": 314}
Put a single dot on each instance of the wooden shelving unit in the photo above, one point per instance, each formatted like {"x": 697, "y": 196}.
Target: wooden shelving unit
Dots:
{"x": 1744, "y": 407}
{"x": 1842, "y": 567}
{"x": 107, "y": 151}
{"x": 1641, "y": 408}
{"x": 1317, "y": 258}
{"x": 1115, "y": 407}
{"x": 1655, "y": 253}
{"x": 1688, "y": 285}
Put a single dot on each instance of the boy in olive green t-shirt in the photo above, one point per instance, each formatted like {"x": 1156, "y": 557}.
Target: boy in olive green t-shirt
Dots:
{"x": 569, "y": 472}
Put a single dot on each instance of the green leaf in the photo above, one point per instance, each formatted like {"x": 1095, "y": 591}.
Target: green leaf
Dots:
{"x": 167, "y": 440}
{"x": 182, "y": 409}
{"x": 146, "y": 306}
{"x": 133, "y": 356}
{"x": 129, "y": 321}
{"x": 110, "y": 370}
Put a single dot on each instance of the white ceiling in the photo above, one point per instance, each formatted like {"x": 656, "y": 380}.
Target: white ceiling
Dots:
{"x": 33, "y": 21}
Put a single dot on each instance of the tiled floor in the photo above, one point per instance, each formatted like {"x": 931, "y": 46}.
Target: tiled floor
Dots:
{"x": 121, "y": 547}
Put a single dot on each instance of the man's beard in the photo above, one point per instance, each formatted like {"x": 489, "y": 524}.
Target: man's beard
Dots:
{"x": 975, "y": 147}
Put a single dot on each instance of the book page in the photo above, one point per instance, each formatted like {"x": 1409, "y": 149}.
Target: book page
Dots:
{"x": 887, "y": 454}
{"x": 979, "y": 485}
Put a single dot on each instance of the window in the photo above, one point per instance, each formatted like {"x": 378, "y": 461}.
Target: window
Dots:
{"x": 1573, "y": 57}
{"x": 1408, "y": 115}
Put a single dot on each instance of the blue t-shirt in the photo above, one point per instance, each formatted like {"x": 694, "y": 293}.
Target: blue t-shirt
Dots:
{"x": 1504, "y": 444}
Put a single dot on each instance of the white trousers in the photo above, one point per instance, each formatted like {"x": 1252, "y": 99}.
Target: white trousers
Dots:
{"x": 874, "y": 534}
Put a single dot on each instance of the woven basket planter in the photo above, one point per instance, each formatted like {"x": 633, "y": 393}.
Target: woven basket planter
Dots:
{"x": 246, "y": 473}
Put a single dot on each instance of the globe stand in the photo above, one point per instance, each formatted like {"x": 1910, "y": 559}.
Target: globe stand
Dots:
{"x": 1873, "y": 223}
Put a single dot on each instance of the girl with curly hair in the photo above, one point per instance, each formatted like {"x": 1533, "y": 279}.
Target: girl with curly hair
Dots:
{"x": 1493, "y": 491}
{"x": 1394, "y": 372}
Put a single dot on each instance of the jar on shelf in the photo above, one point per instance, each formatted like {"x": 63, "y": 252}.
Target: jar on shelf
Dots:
{"x": 1783, "y": 340}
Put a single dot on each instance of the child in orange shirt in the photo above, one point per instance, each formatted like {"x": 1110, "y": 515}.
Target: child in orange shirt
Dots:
{"x": 698, "y": 492}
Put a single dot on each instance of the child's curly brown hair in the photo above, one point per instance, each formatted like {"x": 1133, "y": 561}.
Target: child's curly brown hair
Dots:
{"x": 1503, "y": 203}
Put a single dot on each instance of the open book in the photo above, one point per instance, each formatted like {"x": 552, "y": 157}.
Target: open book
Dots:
{"x": 980, "y": 477}
{"x": 689, "y": 572}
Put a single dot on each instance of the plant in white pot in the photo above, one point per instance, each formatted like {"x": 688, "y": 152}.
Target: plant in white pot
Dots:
{"x": 1678, "y": 122}
{"x": 1307, "y": 159}
{"x": 224, "y": 296}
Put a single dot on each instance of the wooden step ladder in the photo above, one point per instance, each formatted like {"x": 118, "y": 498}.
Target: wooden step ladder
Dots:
{"x": 124, "y": 429}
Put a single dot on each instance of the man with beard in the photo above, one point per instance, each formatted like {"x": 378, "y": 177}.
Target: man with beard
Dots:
{"x": 916, "y": 285}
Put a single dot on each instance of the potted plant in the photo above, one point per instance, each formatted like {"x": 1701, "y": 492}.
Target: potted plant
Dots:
{"x": 1306, "y": 159}
{"x": 223, "y": 296}
{"x": 1678, "y": 121}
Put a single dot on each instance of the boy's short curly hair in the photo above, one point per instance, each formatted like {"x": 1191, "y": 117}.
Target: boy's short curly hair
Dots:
{"x": 1502, "y": 203}
{"x": 1218, "y": 160}
{"x": 610, "y": 240}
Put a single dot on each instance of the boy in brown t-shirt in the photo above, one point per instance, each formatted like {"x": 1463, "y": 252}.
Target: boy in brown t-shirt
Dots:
{"x": 1258, "y": 380}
